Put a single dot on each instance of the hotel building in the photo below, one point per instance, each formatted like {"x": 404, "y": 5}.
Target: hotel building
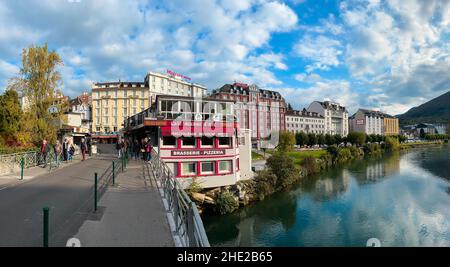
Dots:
{"x": 335, "y": 115}
{"x": 305, "y": 121}
{"x": 373, "y": 122}
{"x": 113, "y": 102}
{"x": 195, "y": 139}
{"x": 259, "y": 110}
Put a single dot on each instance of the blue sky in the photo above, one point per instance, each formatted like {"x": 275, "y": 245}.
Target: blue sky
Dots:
{"x": 388, "y": 55}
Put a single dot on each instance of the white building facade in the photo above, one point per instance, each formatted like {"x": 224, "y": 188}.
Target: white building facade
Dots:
{"x": 335, "y": 116}
{"x": 367, "y": 121}
{"x": 305, "y": 121}
{"x": 172, "y": 84}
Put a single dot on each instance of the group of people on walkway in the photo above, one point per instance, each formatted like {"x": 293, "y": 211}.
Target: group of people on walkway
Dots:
{"x": 64, "y": 151}
{"x": 137, "y": 149}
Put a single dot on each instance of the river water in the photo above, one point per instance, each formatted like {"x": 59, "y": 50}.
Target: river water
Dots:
{"x": 402, "y": 199}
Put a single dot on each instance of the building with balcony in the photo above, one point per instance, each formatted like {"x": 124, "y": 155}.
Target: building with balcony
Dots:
{"x": 305, "y": 121}
{"x": 335, "y": 116}
{"x": 196, "y": 138}
{"x": 373, "y": 122}
{"x": 259, "y": 110}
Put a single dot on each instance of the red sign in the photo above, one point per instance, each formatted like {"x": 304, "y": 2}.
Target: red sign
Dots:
{"x": 171, "y": 73}
{"x": 194, "y": 153}
{"x": 243, "y": 85}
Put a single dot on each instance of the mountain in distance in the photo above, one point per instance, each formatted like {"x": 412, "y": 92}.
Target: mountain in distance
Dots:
{"x": 436, "y": 110}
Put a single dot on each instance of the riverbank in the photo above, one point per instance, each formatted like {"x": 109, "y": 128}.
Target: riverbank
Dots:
{"x": 285, "y": 169}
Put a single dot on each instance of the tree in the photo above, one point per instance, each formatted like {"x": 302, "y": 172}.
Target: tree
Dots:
{"x": 337, "y": 139}
{"x": 312, "y": 139}
{"x": 448, "y": 129}
{"x": 301, "y": 138}
{"x": 287, "y": 141}
{"x": 357, "y": 138}
{"x": 284, "y": 169}
{"x": 38, "y": 82}
{"x": 321, "y": 140}
{"x": 10, "y": 115}
{"x": 329, "y": 139}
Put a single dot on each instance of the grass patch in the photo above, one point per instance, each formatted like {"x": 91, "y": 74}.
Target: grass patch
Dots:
{"x": 256, "y": 156}
{"x": 299, "y": 156}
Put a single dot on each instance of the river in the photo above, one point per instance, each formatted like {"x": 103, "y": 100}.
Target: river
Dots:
{"x": 402, "y": 199}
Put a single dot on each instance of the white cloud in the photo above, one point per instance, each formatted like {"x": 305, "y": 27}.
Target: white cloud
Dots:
{"x": 322, "y": 51}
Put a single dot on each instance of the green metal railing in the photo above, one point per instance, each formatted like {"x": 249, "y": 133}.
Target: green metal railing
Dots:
{"x": 188, "y": 223}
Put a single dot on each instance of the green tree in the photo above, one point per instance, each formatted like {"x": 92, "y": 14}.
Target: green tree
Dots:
{"x": 321, "y": 140}
{"x": 448, "y": 129}
{"x": 287, "y": 141}
{"x": 301, "y": 138}
{"x": 392, "y": 143}
{"x": 338, "y": 139}
{"x": 329, "y": 139}
{"x": 357, "y": 138}
{"x": 312, "y": 139}
{"x": 10, "y": 115}
{"x": 38, "y": 82}
{"x": 283, "y": 167}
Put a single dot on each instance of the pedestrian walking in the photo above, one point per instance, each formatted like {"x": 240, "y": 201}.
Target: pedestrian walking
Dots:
{"x": 83, "y": 148}
{"x": 65, "y": 149}
{"x": 137, "y": 149}
{"x": 45, "y": 149}
{"x": 58, "y": 151}
{"x": 71, "y": 152}
{"x": 119, "y": 148}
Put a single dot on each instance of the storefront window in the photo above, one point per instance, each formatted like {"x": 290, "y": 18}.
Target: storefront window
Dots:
{"x": 224, "y": 141}
{"x": 169, "y": 141}
{"x": 189, "y": 141}
{"x": 225, "y": 166}
{"x": 207, "y": 167}
{"x": 188, "y": 168}
{"x": 207, "y": 142}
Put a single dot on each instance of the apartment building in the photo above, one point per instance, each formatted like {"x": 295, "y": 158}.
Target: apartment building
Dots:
{"x": 373, "y": 122}
{"x": 305, "y": 121}
{"x": 335, "y": 115}
{"x": 112, "y": 103}
{"x": 260, "y": 110}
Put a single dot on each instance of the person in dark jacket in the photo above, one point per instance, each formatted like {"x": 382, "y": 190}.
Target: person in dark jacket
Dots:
{"x": 83, "y": 148}
{"x": 65, "y": 148}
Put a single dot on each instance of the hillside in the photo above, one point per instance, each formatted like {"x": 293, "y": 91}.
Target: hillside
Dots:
{"x": 436, "y": 110}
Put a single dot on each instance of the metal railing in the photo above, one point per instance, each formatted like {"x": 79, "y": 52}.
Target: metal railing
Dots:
{"x": 188, "y": 224}
{"x": 10, "y": 163}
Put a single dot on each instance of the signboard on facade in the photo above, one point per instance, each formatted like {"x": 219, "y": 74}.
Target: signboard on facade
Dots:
{"x": 359, "y": 122}
{"x": 194, "y": 153}
{"x": 171, "y": 73}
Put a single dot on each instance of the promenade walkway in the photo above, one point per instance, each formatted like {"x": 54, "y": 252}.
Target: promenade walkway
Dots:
{"x": 130, "y": 214}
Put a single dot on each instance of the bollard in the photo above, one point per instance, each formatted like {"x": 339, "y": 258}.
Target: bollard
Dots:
{"x": 45, "y": 241}
{"x": 122, "y": 163}
{"x": 114, "y": 173}
{"x": 22, "y": 165}
{"x": 95, "y": 192}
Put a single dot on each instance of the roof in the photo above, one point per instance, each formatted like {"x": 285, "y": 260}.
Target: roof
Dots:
{"x": 374, "y": 113}
{"x": 243, "y": 89}
{"x": 332, "y": 105}
{"x": 303, "y": 113}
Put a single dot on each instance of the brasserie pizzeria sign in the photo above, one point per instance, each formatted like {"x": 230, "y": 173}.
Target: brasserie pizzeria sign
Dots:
{"x": 190, "y": 153}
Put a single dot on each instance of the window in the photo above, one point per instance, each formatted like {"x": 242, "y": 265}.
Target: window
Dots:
{"x": 224, "y": 141}
{"x": 206, "y": 141}
{"x": 207, "y": 167}
{"x": 98, "y": 129}
{"x": 169, "y": 141}
{"x": 188, "y": 168}
{"x": 225, "y": 166}
{"x": 125, "y": 93}
{"x": 115, "y": 129}
{"x": 189, "y": 141}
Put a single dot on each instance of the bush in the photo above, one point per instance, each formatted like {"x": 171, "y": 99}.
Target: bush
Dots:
{"x": 372, "y": 149}
{"x": 194, "y": 187}
{"x": 310, "y": 165}
{"x": 284, "y": 169}
{"x": 265, "y": 184}
{"x": 356, "y": 152}
{"x": 344, "y": 154}
{"x": 225, "y": 202}
{"x": 391, "y": 143}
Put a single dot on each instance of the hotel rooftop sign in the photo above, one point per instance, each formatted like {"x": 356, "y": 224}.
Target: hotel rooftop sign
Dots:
{"x": 174, "y": 74}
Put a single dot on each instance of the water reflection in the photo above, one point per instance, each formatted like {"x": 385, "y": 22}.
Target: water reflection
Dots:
{"x": 398, "y": 199}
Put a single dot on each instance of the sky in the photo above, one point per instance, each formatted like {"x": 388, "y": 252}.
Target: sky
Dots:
{"x": 388, "y": 55}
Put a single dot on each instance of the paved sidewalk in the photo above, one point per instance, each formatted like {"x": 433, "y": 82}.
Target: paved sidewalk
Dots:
{"x": 12, "y": 179}
{"x": 131, "y": 214}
